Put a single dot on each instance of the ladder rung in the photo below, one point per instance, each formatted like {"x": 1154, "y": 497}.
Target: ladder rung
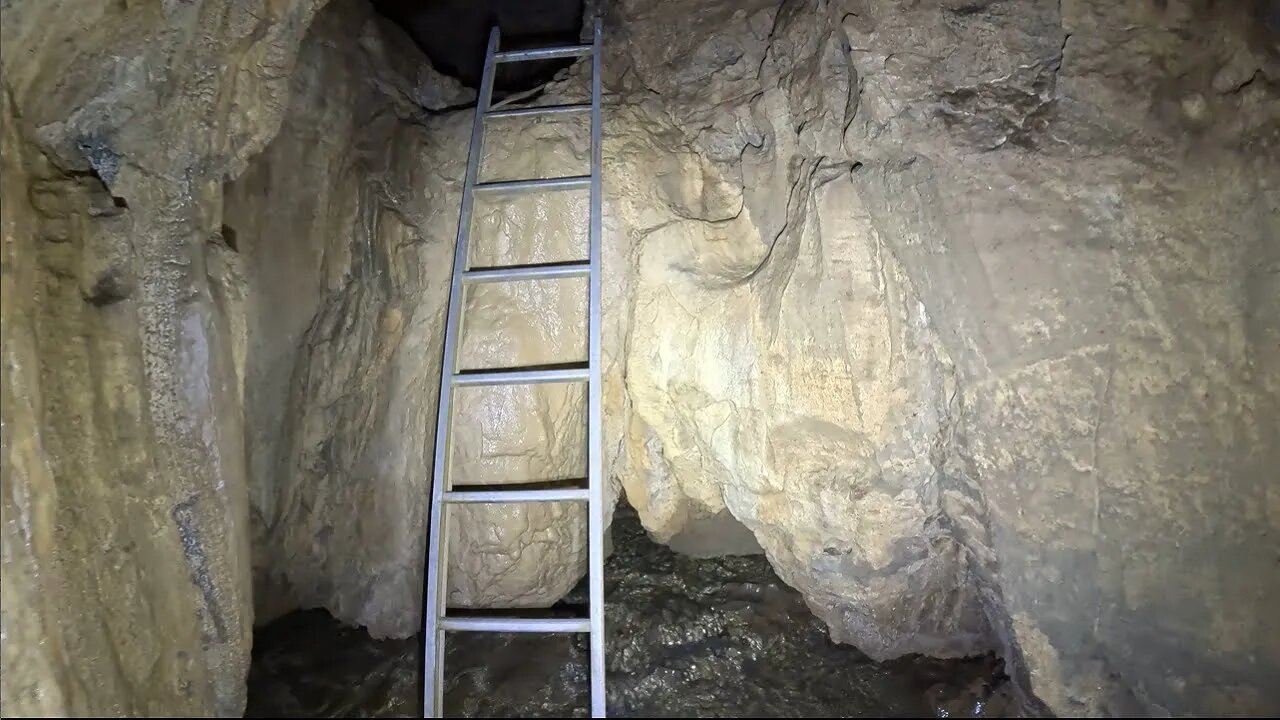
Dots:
{"x": 569, "y": 494}
{"x": 540, "y": 110}
{"x": 547, "y": 53}
{"x": 573, "y": 182}
{"x": 549, "y": 271}
{"x": 516, "y": 624}
{"x": 522, "y": 376}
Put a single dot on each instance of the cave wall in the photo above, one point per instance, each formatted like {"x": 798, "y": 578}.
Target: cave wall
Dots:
{"x": 966, "y": 311}
{"x": 343, "y": 302}
{"x": 926, "y": 299}
{"x": 126, "y": 563}
{"x": 346, "y": 224}
{"x": 222, "y": 353}
{"x": 1106, "y": 292}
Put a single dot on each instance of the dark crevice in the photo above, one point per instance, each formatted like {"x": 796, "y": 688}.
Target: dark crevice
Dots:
{"x": 102, "y": 202}
{"x": 229, "y": 238}
{"x": 969, "y": 9}
{"x": 453, "y": 34}
{"x": 108, "y": 289}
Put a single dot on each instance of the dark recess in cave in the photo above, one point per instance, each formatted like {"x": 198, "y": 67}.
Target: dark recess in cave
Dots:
{"x": 453, "y": 34}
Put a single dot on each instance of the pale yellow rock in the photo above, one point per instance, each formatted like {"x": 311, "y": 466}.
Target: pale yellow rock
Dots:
{"x": 126, "y": 582}
{"x": 346, "y": 302}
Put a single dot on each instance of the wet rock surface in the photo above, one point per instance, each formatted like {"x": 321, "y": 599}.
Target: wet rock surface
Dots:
{"x": 718, "y": 637}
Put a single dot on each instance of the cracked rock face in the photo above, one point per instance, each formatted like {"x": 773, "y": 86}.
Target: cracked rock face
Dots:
{"x": 901, "y": 290}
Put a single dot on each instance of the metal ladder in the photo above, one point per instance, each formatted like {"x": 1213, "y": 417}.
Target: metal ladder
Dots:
{"x": 442, "y": 494}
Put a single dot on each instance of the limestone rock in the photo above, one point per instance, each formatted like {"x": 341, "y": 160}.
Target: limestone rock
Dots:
{"x": 126, "y": 553}
{"x": 894, "y": 302}
{"x": 150, "y": 341}
{"x": 967, "y": 311}
{"x": 1088, "y": 279}
{"x": 346, "y": 224}
{"x": 778, "y": 365}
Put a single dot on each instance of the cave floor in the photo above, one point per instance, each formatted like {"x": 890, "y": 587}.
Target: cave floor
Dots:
{"x": 719, "y": 637}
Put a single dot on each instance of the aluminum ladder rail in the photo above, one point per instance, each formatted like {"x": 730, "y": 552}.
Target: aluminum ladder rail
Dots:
{"x": 442, "y": 494}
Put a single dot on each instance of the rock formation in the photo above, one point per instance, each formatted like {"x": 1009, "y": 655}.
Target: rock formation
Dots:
{"x": 985, "y": 349}
{"x": 340, "y": 295}
{"x": 967, "y": 312}
{"x": 126, "y": 587}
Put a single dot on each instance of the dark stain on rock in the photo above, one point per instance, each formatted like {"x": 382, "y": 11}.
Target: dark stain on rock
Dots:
{"x": 969, "y": 8}
{"x": 193, "y": 548}
{"x": 108, "y": 289}
{"x": 1014, "y": 112}
{"x": 229, "y": 238}
{"x": 101, "y": 157}
{"x": 1267, "y": 13}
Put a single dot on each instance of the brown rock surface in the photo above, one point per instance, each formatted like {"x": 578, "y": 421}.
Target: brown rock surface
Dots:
{"x": 346, "y": 224}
